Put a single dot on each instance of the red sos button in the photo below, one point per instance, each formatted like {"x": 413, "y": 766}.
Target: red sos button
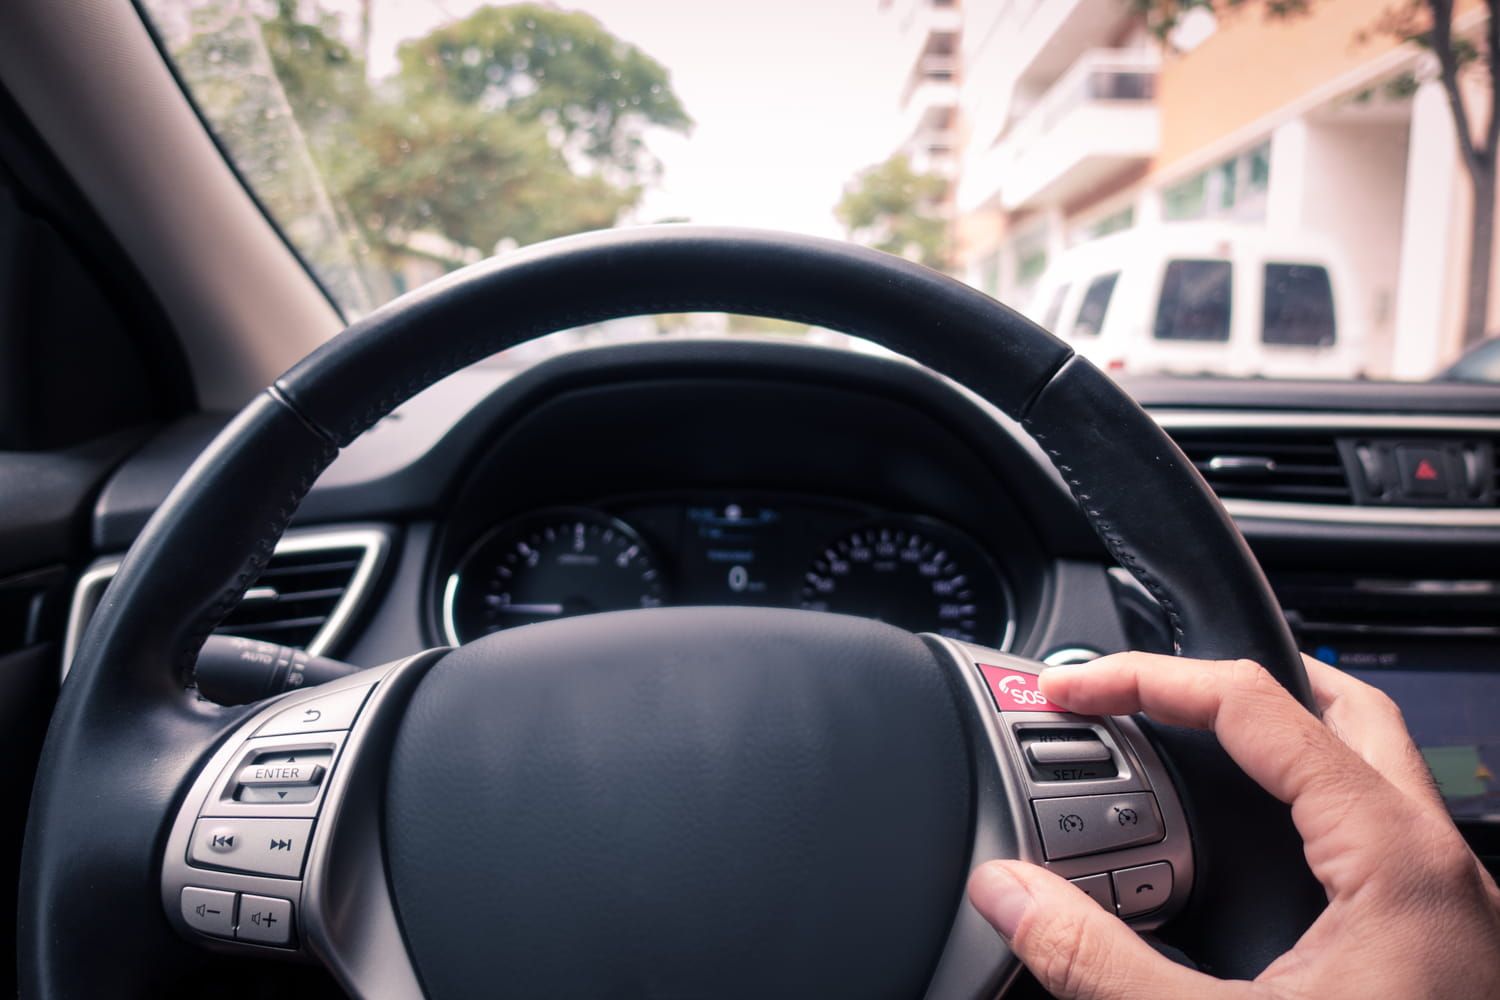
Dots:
{"x": 1015, "y": 691}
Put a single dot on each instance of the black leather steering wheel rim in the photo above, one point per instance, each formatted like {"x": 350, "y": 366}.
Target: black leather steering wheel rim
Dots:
{"x": 126, "y": 703}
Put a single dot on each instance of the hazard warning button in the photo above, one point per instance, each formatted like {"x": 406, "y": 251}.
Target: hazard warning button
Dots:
{"x": 1424, "y": 472}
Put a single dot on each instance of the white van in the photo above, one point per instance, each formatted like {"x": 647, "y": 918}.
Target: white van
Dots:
{"x": 1204, "y": 299}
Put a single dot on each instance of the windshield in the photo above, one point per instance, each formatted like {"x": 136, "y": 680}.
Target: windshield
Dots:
{"x": 1188, "y": 187}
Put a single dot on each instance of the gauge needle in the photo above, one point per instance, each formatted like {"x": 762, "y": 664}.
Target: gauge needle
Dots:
{"x": 528, "y": 609}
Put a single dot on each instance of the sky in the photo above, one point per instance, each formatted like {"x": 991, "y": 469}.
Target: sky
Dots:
{"x": 790, "y": 97}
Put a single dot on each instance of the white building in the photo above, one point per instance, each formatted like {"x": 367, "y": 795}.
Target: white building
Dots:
{"x": 1072, "y": 122}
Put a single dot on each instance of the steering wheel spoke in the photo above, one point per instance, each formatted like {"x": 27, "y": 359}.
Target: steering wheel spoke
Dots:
{"x": 276, "y": 849}
{"x": 1087, "y": 797}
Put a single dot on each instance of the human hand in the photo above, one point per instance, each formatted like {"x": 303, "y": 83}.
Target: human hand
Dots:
{"x": 1413, "y": 915}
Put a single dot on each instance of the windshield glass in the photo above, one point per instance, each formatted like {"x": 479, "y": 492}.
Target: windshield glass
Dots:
{"x": 1191, "y": 187}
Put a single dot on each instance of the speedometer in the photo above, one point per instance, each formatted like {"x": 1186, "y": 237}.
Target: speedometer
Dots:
{"x": 920, "y": 576}
{"x": 552, "y": 564}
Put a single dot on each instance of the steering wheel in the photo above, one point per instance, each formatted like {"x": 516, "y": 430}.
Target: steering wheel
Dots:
{"x": 676, "y": 801}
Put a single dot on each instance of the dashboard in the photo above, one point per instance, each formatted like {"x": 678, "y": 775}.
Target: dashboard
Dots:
{"x": 819, "y": 554}
{"x": 691, "y": 473}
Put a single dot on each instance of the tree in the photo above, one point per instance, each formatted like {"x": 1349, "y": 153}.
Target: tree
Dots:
{"x": 474, "y": 176}
{"x": 559, "y": 68}
{"x": 892, "y": 207}
{"x": 513, "y": 125}
{"x": 1429, "y": 24}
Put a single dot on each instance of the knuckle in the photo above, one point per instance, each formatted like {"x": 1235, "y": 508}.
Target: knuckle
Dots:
{"x": 1386, "y": 707}
{"x": 1253, "y": 678}
{"x": 1449, "y": 863}
{"x": 1437, "y": 865}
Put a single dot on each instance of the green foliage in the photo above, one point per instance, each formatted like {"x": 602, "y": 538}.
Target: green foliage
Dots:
{"x": 893, "y": 208}
{"x": 560, "y": 68}
{"x": 473, "y": 176}
{"x": 513, "y": 125}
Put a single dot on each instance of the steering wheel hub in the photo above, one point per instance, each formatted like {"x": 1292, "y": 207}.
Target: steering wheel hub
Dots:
{"x": 800, "y": 780}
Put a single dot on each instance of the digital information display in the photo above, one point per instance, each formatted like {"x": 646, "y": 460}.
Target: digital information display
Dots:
{"x": 1450, "y": 696}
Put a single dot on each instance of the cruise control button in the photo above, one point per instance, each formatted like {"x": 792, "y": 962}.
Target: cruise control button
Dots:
{"x": 317, "y": 715}
{"x": 1097, "y": 887}
{"x": 1141, "y": 890}
{"x": 210, "y": 911}
{"x": 262, "y": 846}
{"x": 265, "y": 920}
{"x": 1088, "y": 824}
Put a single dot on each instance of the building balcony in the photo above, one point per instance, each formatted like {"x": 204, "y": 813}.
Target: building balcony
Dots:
{"x": 935, "y": 161}
{"x": 1097, "y": 120}
{"x": 1043, "y": 38}
{"x": 925, "y": 28}
{"x": 930, "y": 107}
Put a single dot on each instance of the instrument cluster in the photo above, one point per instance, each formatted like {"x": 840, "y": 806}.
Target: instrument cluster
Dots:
{"x": 911, "y": 571}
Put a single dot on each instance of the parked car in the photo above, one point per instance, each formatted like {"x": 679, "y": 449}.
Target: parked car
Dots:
{"x": 1204, "y": 298}
{"x": 1480, "y": 363}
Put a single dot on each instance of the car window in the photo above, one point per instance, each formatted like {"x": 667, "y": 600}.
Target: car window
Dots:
{"x": 393, "y": 141}
{"x": 1298, "y": 306}
{"x": 1195, "y": 301}
{"x": 1054, "y": 308}
{"x": 1482, "y": 364}
{"x": 1095, "y": 303}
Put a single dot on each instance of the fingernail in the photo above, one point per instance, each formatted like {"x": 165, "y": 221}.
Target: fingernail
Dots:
{"x": 1001, "y": 897}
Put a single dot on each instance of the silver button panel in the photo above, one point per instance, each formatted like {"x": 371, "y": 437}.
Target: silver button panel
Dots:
{"x": 1087, "y": 795}
{"x": 240, "y": 847}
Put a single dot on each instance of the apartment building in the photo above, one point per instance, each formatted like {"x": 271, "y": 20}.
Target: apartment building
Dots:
{"x": 1072, "y": 122}
{"x": 928, "y": 68}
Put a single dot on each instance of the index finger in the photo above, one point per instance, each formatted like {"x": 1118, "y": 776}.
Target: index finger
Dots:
{"x": 1276, "y": 741}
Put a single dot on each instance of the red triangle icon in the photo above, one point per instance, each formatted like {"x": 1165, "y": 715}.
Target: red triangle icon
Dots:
{"x": 1426, "y": 471}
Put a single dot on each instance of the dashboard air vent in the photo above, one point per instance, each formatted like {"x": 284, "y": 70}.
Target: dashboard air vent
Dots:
{"x": 1326, "y": 606}
{"x": 1288, "y": 466}
{"x": 305, "y": 597}
{"x": 295, "y": 596}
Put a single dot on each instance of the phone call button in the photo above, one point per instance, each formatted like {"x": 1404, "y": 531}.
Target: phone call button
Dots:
{"x": 1141, "y": 890}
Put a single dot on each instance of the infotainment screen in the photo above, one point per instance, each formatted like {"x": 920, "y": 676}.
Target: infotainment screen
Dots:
{"x": 1449, "y": 693}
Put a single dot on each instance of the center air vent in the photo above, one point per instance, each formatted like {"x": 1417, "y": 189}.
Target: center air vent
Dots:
{"x": 305, "y": 597}
{"x": 1288, "y": 466}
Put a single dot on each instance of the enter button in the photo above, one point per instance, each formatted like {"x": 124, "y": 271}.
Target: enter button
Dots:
{"x": 1141, "y": 890}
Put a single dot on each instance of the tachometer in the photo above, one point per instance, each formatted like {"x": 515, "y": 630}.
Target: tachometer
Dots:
{"x": 552, "y": 564}
{"x": 919, "y": 576}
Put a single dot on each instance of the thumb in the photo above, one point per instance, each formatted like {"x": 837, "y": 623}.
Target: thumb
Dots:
{"x": 1075, "y": 949}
